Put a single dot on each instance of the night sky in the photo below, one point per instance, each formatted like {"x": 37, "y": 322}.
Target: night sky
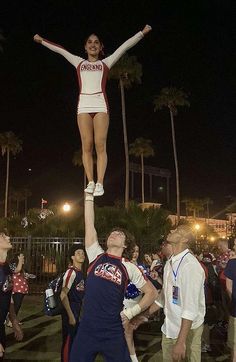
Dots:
{"x": 192, "y": 46}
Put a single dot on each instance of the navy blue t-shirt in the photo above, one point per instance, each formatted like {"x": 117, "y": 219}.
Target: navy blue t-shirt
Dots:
{"x": 74, "y": 281}
{"x": 230, "y": 273}
{"x": 106, "y": 283}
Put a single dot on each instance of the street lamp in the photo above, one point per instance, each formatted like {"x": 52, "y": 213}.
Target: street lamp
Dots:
{"x": 197, "y": 228}
{"x": 66, "y": 207}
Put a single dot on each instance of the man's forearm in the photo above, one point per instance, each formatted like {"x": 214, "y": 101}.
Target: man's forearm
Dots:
{"x": 148, "y": 299}
{"x": 150, "y": 311}
{"x": 186, "y": 325}
{"x": 229, "y": 287}
{"x": 66, "y": 304}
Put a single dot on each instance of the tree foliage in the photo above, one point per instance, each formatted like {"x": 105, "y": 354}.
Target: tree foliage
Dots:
{"x": 147, "y": 226}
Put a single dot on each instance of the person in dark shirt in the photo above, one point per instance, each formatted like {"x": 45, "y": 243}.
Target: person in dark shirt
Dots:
{"x": 71, "y": 296}
{"x": 6, "y": 302}
{"x": 230, "y": 273}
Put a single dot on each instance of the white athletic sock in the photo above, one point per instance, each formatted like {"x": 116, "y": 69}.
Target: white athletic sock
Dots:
{"x": 134, "y": 358}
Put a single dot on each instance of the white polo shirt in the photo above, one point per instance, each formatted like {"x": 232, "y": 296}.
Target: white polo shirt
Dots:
{"x": 184, "y": 272}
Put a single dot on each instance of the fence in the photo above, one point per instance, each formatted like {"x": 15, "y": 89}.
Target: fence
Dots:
{"x": 45, "y": 257}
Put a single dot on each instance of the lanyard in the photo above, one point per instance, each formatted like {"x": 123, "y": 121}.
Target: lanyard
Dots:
{"x": 175, "y": 273}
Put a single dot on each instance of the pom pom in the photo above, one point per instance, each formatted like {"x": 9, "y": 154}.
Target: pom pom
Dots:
{"x": 132, "y": 292}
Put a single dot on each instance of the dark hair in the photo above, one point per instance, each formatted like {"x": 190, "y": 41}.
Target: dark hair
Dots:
{"x": 129, "y": 242}
{"x": 101, "y": 53}
{"x": 73, "y": 248}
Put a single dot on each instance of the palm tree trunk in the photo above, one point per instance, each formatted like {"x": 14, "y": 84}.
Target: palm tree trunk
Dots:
{"x": 17, "y": 207}
{"x": 26, "y": 205}
{"x": 122, "y": 91}
{"x": 176, "y": 166}
{"x": 7, "y": 184}
{"x": 142, "y": 171}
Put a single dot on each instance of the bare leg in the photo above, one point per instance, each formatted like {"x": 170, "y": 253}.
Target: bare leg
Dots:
{"x": 85, "y": 124}
{"x": 101, "y": 123}
{"x": 129, "y": 336}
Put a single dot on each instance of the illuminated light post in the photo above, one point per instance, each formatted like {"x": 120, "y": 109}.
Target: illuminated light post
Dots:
{"x": 66, "y": 207}
{"x": 197, "y": 228}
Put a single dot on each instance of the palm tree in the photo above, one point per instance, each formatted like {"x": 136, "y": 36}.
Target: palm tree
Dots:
{"x": 172, "y": 98}
{"x": 127, "y": 71}
{"x": 26, "y": 194}
{"x": 141, "y": 147}
{"x": 17, "y": 196}
{"x": 9, "y": 143}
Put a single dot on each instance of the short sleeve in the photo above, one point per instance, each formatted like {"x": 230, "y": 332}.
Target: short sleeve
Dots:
{"x": 136, "y": 277}
{"x": 69, "y": 278}
{"x": 93, "y": 251}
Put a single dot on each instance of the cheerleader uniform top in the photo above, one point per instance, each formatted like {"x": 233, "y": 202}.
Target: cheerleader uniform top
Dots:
{"x": 107, "y": 280}
{"x": 92, "y": 76}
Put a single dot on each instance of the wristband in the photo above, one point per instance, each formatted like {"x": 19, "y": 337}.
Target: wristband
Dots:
{"x": 89, "y": 197}
{"x": 132, "y": 312}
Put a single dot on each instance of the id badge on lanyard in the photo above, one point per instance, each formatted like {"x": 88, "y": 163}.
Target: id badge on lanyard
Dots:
{"x": 175, "y": 289}
{"x": 175, "y": 295}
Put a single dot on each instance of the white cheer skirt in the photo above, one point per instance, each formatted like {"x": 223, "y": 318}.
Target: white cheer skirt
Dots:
{"x": 92, "y": 103}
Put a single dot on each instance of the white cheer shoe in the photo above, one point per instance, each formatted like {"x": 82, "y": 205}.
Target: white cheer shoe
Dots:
{"x": 90, "y": 187}
{"x": 99, "y": 190}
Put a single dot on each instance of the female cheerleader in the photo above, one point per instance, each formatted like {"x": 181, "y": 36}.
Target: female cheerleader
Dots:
{"x": 132, "y": 297}
{"x": 92, "y": 111}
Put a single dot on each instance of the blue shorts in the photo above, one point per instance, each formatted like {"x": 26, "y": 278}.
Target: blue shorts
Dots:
{"x": 87, "y": 344}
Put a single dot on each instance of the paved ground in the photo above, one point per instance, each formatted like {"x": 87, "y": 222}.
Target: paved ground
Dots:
{"x": 42, "y": 338}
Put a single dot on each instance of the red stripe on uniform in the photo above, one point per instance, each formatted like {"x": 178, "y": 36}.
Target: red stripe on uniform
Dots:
{"x": 68, "y": 277}
{"x": 66, "y": 350}
{"x": 93, "y": 262}
{"x": 104, "y": 81}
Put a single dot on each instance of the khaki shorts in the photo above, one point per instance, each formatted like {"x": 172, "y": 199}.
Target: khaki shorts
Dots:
{"x": 231, "y": 342}
{"x": 193, "y": 346}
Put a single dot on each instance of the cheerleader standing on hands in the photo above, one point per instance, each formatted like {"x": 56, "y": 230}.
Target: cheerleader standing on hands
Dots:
{"x": 92, "y": 112}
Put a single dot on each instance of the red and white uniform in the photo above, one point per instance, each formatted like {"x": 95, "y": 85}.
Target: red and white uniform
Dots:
{"x": 92, "y": 76}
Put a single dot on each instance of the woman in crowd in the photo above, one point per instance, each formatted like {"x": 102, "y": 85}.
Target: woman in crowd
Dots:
{"x": 132, "y": 297}
{"x": 20, "y": 282}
